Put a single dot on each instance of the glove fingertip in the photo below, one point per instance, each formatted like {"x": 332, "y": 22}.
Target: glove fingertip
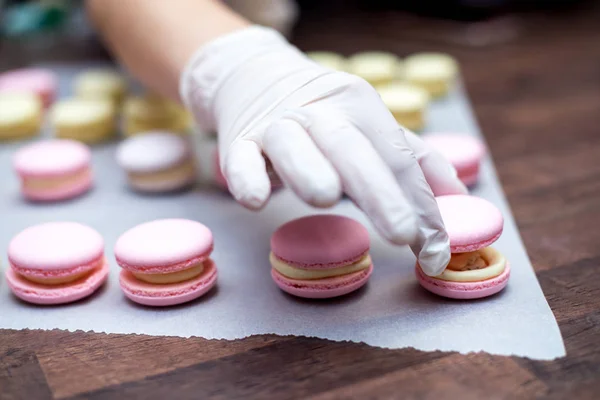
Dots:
{"x": 434, "y": 261}
{"x": 402, "y": 229}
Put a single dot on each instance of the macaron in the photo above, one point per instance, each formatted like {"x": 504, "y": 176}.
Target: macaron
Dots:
{"x": 328, "y": 59}
{"x": 56, "y": 263}
{"x": 20, "y": 115}
{"x": 407, "y": 103}
{"x": 320, "y": 256}
{"x": 151, "y": 112}
{"x": 475, "y": 270}
{"x": 53, "y": 170}
{"x": 435, "y": 72}
{"x": 376, "y": 67}
{"x": 39, "y": 81}
{"x": 157, "y": 161}
{"x": 464, "y": 152}
{"x": 101, "y": 83}
{"x": 166, "y": 262}
{"x": 87, "y": 120}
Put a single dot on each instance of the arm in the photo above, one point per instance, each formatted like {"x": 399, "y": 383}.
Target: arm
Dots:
{"x": 154, "y": 39}
{"x": 323, "y": 131}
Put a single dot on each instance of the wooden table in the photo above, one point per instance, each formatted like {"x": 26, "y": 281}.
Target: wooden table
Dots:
{"x": 537, "y": 97}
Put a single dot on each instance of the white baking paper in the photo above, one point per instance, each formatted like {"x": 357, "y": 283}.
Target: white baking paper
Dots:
{"x": 392, "y": 311}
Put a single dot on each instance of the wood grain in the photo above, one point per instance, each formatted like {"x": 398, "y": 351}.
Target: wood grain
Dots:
{"x": 537, "y": 97}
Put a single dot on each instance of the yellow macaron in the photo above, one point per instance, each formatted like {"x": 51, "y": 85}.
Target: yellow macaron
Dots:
{"x": 407, "y": 103}
{"x": 328, "y": 59}
{"x": 101, "y": 83}
{"x": 20, "y": 115}
{"x": 86, "y": 120}
{"x": 376, "y": 67}
{"x": 435, "y": 72}
{"x": 151, "y": 112}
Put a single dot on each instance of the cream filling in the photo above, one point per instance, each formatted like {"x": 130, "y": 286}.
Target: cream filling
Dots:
{"x": 63, "y": 279}
{"x": 179, "y": 172}
{"x": 309, "y": 274}
{"x": 57, "y": 280}
{"x": 173, "y": 277}
{"x": 475, "y": 266}
{"x": 55, "y": 182}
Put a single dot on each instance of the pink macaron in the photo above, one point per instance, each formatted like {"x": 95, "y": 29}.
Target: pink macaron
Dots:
{"x": 54, "y": 170}
{"x": 166, "y": 262}
{"x": 475, "y": 270}
{"x": 320, "y": 256}
{"x": 464, "y": 152}
{"x": 56, "y": 263}
{"x": 40, "y": 81}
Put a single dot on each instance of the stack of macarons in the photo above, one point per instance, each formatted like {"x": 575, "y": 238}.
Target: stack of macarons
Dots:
{"x": 56, "y": 263}
{"x": 166, "y": 262}
{"x": 320, "y": 256}
{"x": 475, "y": 269}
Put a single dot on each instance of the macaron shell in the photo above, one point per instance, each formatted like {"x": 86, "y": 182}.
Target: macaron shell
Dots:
{"x": 464, "y": 152}
{"x": 472, "y": 223}
{"x": 57, "y": 273}
{"x": 322, "y": 288}
{"x": 152, "y": 151}
{"x": 36, "y": 293}
{"x": 40, "y": 81}
{"x": 52, "y": 158}
{"x": 163, "y": 245}
{"x": 167, "y": 185}
{"x": 464, "y": 290}
{"x": 63, "y": 193}
{"x": 167, "y": 295}
{"x": 55, "y": 245}
{"x": 470, "y": 177}
{"x": 320, "y": 241}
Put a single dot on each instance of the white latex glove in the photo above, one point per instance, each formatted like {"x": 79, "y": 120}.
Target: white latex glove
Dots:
{"x": 324, "y": 132}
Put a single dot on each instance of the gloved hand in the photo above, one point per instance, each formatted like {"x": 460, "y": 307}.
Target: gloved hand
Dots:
{"x": 323, "y": 131}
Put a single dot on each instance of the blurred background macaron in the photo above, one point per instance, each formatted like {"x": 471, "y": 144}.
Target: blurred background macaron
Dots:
{"x": 21, "y": 115}
{"x": 464, "y": 152}
{"x": 54, "y": 170}
{"x": 38, "y": 81}
{"x": 157, "y": 161}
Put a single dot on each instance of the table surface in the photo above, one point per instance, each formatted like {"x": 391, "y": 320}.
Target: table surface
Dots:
{"x": 537, "y": 97}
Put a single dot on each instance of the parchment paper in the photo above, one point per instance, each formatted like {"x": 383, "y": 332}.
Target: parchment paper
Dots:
{"x": 391, "y": 311}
